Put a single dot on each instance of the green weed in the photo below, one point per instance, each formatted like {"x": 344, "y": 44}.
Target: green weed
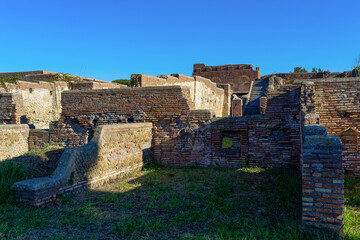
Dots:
{"x": 9, "y": 174}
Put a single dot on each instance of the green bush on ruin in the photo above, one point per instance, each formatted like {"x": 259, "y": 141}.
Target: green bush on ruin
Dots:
{"x": 122, "y": 81}
{"x": 4, "y": 80}
{"x": 356, "y": 72}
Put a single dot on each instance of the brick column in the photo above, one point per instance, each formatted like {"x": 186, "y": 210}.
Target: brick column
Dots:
{"x": 237, "y": 107}
{"x": 263, "y": 105}
{"x": 322, "y": 179}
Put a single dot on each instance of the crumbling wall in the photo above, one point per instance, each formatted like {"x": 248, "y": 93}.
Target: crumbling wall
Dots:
{"x": 13, "y": 140}
{"x": 336, "y": 102}
{"x": 82, "y": 111}
{"x": 114, "y": 150}
{"x": 290, "y": 78}
{"x": 322, "y": 179}
{"x": 181, "y": 136}
{"x": 204, "y": 93}
{"x": 322, "y": 166}
{"x": 41, "y": 101}
{"x": 38, "y": 138}
{"x": 268, "y": 140}
{"x": 21, "y": 75}
{"x": 11, "y": 109}
{"x": 40, "y": 93}
{"x": 238, "y": 76}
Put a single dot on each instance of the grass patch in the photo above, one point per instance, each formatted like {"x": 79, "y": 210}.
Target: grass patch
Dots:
{"x": 9, "y": 174}
{"x": 178, "y": 203}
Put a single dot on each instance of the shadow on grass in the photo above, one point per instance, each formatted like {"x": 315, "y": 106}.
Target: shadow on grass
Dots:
{"x": 171, "y": 203}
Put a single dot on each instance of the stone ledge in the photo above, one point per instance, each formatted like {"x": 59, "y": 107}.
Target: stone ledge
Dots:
{"x": 316, "y": 142}
{"x": 315, "y": 130}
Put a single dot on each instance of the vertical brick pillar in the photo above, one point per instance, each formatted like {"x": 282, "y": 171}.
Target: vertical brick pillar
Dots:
{"x": 322, "y": 179}
{"x": 237, "y": 107}
{"x": 263, "y": 105}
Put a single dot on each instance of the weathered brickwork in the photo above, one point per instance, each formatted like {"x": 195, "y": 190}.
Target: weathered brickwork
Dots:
{"x": 184, "y": 120}
{"x": 37, "y": 97}
{"x": 263, "y": 105}
{"x": 237, "y": 107}
{"x": 322, "y": 179}
{"x": 335, "y": 104}
{"x": 83, "y": 111}
{"x": 238, "y": 76}
{"x": 289, "y": 78}
{"x": 38, "y": 138}
{"x": 11, "y": 109}
{"x": 255, "y": 141}
{"x": 204, "y": 93}
{"x": 13, "y": 140}
{"x": 183, "y": 136}
{"x": 114, "y": 150}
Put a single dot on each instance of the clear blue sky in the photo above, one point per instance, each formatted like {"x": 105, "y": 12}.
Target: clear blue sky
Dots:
{"x": 111, "y": 39}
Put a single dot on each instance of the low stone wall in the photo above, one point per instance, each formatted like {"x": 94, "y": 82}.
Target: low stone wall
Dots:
{"x": 322, "y": 179}
{"x": 13, "y": 140}
{"x": 114, "y": 150}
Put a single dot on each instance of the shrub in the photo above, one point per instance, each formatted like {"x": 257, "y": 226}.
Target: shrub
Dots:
{"x": 122, "y": 81}
{"x": 356, "y": 72}
{"x": 300, "y": 70}
{"x": 9, "y": 174}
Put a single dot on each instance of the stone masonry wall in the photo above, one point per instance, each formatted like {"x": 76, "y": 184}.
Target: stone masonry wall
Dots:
{"x": 114, "y": 150}
{"x": 238, "y": 76}
{"x": 13, "y": 140}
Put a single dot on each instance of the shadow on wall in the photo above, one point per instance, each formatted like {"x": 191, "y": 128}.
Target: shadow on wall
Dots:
{"x": 114, "y": 150}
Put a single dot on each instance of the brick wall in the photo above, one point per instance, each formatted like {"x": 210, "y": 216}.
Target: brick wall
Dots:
{"x": 11, "y": 108}
{"x": 84, "y": 110}
{"x": 290, "y": 78}
{"x": 38, "y": 138}
{"x": 322, "y": 179}
{"x": 238, "y": 76}
{"x": 22, "y": 74}
{"x": 183, "y": 136}
{"x": 335, "y": 102}
{"x": 94, "y": 85}
{"x": 204, "y": 93}
{"x": 113, "y": 151}
{"x": 13, "y": 140}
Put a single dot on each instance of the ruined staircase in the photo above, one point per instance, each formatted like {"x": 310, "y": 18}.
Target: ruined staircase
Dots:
{"x": 258, "y": 91}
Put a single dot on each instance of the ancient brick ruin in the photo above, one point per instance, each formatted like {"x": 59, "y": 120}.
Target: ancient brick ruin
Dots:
{"x": 239, "y": 76}
{"x": 225, "y": 116}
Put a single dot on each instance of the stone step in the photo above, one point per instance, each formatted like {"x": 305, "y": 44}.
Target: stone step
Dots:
{"x": 259, "y": 88}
